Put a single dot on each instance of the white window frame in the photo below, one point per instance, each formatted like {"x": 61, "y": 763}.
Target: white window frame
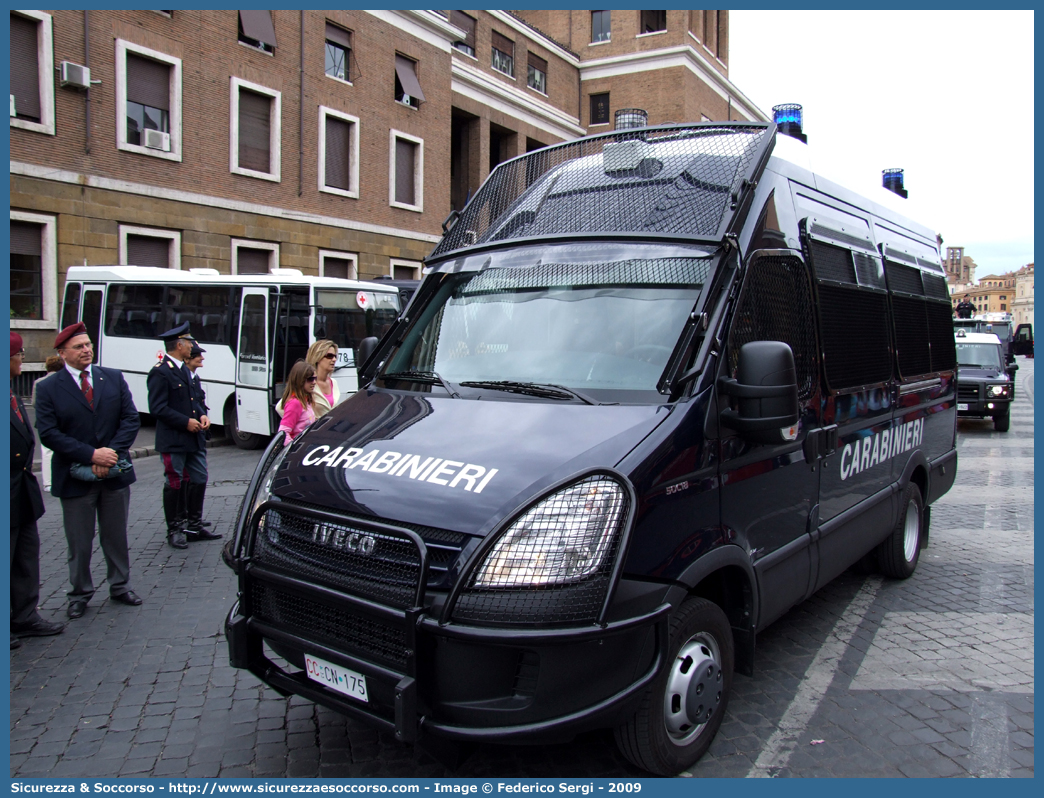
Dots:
{"x": 45, "y": 71}
{"x": 273, "y": 252}
{"x": 48, "y": 272}
{"x": 353, "y": 177}
{"x": 122, "y": 48}
{"x": 350, "y": 256}
{"x": 416, "y": 265}
{"x": 174, "y": 236}
{"x": 274, "y": 126}
{"x": 418, "y": 172}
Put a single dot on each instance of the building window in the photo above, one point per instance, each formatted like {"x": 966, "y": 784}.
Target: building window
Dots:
{"x": 148, "y": 101}
{"x": 34, "y": 273}
{"x": 338, "y": 52}
{"x": 600, "y": 109}
{"x": 338, "y": 153}
{"x": 503, "y": 54}
{"x": 1003, "y": 306}
{"x": 406, "y": 172}
{"x": 145, "y": 246}
{"x": 599, "y": 26}
{"x": 256, "y": 30}
{"x": 32, "y": 72}
{"x": 404, "y": 269}
{"x": 254, "y": 257}
{"x": 467, "y": 24}
{"x": 344, "y": 265}
{"x": 653, "y": 22}
{"x": 256, "y": 112}
{"x": 407, "y": 86}
{"x": 537, "y": 74}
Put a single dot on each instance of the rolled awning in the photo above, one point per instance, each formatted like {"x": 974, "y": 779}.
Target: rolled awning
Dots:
{"x": 408, "y": 77}
{"x": 257, "y": 25}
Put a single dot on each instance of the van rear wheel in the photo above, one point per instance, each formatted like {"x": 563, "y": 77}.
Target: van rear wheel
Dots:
{"x": 898, "y": 555}
{"x": 683, "y": 708}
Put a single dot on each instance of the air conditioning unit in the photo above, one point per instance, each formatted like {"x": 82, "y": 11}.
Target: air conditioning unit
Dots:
{"x": 157, "y": 140}
{"x": 75, "y": 76}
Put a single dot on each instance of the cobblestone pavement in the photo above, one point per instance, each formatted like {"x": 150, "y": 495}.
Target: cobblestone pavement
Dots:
{"x": 932, "y": 676}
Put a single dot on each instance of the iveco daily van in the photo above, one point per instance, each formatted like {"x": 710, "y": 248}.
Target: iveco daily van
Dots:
{"x": 658, "y": 386}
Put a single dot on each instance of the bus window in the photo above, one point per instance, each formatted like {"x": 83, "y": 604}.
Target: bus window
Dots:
{"x": 71, "y": 305}
{"x": 92, "y": 311}
{"x": 205, "y": 309}
{"x": 340, "y": 318}
{"x": 253, "y": 355}
{"x": 135, "y": 311}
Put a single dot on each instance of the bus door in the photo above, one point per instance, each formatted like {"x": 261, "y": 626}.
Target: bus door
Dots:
{"x": 90, "y": 315}
{"x": 253, "y": 378}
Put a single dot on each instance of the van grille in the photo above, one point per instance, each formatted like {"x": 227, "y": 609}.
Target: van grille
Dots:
{"x": 335, "y": 626}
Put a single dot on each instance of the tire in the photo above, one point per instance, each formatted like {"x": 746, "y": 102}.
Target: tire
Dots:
{"x": 898, "y": 555}
{"x": 661, "y": 737}
{"x": 1003, "y": 423}
{"x": 243, "y": 440}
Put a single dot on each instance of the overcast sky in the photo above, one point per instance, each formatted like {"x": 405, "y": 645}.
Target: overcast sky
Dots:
{"x": 945, "y": 95}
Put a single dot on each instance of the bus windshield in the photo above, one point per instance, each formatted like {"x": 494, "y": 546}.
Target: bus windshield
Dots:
{"x": 348, "y": 316}
{"x": 601, "y": 319}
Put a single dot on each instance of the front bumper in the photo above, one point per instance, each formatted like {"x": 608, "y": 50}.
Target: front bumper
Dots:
{"x": 453, "y": 681}
{"x": 983, "y": 408}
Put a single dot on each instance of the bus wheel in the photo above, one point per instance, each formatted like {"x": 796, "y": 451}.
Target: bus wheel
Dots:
{"x": 682, "y": 709}
{"x": 898, "y": 554}
{"x": 244, "y": 440}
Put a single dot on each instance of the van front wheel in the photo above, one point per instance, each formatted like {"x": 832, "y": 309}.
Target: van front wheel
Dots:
{"x": 682, "y": 709}
{"x": 897, "y": 556}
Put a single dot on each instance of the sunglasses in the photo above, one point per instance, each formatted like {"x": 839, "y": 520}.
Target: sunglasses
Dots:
{"x": 330, "y": 356}
{"x": 313, "y": 378}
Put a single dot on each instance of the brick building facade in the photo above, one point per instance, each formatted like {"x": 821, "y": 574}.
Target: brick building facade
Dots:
{"x": 334, "y": 142}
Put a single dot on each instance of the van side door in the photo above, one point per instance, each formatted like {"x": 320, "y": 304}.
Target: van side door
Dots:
{"x": 769, "y": 492}
{"x": 1024, "y": 340}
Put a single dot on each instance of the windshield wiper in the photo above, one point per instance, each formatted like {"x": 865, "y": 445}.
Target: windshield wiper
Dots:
{"x": 545, "y": 390}
{"x": 430, "y": 377}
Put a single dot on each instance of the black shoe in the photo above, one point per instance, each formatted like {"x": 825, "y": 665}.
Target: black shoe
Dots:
{"x": 15, "y": 643}
{"x": 76, "y": 609}
{"x": 37, "y": 628}
{"x": 129, "y": 598}
{"x": 202, "y": 534}
{"x": 177, "y": 540}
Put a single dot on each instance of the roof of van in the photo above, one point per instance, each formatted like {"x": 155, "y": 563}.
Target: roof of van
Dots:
{"x": 152, "y": 274}
{"x": 978, "y": 338}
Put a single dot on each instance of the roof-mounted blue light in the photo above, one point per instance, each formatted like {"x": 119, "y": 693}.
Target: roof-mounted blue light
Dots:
{"x": 892, "y": 179}
{"x": 788, "y": 118}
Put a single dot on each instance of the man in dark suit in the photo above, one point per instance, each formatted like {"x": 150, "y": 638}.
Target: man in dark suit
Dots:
{"x": 85, "y": 414}
{"x": 181, "y": 427}
{"x": 197, "y": 493}
{"x": 26, "y": 506}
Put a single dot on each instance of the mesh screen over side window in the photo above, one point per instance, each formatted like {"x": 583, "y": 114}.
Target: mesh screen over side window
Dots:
{"x": 776, "y": 305}
{"x": 922, "y": 317}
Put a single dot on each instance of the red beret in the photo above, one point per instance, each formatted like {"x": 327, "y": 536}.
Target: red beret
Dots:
{"x": 16, "y": 344}
{"x": 69, "y": 332}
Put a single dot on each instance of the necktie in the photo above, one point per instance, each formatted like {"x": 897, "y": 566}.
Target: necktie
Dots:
{"x": 88, "y": 391}
{"x": 14, "y": 406}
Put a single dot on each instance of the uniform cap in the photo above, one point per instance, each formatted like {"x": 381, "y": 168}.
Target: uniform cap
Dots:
{"x": 196, "y": 350}
{"x": 69, "y": 332}
{"x": 16, "y": 344}
{"x": 181, "y": 331}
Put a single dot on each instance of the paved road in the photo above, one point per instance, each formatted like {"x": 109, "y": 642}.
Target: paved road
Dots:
{"x": 928, "y": 677}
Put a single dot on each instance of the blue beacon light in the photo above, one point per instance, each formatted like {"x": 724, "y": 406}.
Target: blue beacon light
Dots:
{"x": 892, "y": 179}
{"x": 788, "y": 119}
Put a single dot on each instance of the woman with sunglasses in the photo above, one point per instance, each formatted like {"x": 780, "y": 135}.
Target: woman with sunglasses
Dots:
{"x": 322, "y": 356}
{"x": 297, "y": 402}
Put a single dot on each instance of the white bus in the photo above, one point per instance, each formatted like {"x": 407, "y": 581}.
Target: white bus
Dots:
{"x": 254, "y": 328}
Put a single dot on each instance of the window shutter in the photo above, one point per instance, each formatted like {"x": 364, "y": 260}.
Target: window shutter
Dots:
{"x": 26, "y": 238}
{"x": 407, "y": 73}
{"x": 404, "y": 171}
{"x": 338, "y": 36}
{"x": 504, "y": 44}
{"x": 537, "y": 62}
{"x": 252, "y": 261}
{"x": 25, "y": 70}
{"x": 257, "y": 25}
{"x": 148, "y": 251}
{"x": 148, "y": 82}
{"x": 338, "y": 154}
{"x": 337, "y": 267}
{"x": 255, "y": 120}
{"x": 466, "y": 23}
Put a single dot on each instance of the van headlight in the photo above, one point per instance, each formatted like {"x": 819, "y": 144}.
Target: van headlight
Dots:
{"x": 562, "y": 539}
{"x": 264, "y": 485}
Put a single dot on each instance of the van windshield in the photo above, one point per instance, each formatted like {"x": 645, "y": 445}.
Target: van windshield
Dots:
{"x": 985, "y": 356}
{"x": 601, "y": 320}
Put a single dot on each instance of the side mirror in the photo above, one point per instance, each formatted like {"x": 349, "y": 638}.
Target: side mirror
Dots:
{"x": 367, "y": 346}
{"x": 766, "y": 387}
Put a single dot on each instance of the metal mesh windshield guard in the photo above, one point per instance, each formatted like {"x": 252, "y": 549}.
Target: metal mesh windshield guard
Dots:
{"x": 677, "y": 180}
{"x": 662, "y": 271}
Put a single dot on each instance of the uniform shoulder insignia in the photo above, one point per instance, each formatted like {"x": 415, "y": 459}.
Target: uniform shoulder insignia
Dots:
{"x": 170, "y": 365}
{"x": 160, "y": 363}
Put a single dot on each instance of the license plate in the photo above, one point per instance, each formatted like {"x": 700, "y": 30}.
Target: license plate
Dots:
{"x": 962, "y": 407}
{"x": 335, "y": 677}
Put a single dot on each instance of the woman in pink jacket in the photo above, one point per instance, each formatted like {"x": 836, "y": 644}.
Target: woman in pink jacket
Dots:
{"x": 298, "y": 405}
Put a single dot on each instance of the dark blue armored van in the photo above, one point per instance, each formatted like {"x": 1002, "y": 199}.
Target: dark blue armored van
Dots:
{"x": 659, "y": 386}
